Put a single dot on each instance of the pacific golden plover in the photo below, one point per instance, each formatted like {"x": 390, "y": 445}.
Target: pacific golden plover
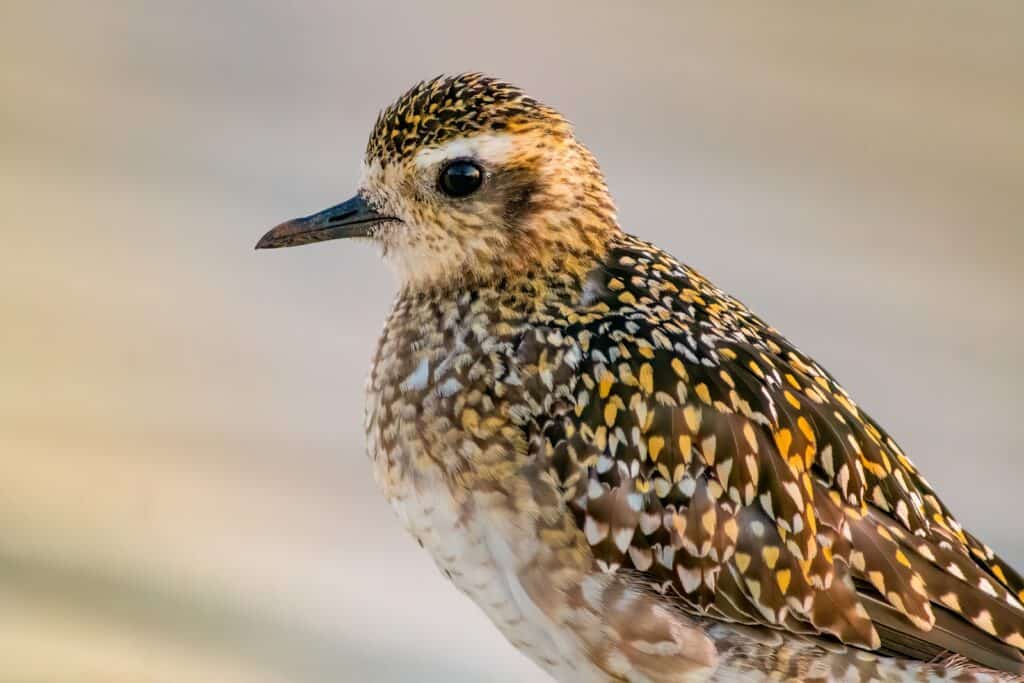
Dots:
{"x": 633, "y": 475}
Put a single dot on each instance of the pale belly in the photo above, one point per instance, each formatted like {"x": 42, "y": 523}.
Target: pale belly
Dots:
{"x": 483, "y": 567}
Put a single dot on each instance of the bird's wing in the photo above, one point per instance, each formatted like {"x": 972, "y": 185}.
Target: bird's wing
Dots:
{"x": 699, "y": 447}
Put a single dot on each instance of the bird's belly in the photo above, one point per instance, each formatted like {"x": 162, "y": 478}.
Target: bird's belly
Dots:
{"x": 467, "y": 552}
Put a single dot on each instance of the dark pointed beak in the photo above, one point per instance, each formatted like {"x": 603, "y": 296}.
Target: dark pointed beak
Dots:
{"x": 353, "y": 218}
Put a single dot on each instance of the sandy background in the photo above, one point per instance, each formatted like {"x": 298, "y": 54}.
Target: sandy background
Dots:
{"x": 183, "y": 488}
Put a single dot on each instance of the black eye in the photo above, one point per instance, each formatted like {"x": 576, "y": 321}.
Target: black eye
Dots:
{"x": 461, "y": 178}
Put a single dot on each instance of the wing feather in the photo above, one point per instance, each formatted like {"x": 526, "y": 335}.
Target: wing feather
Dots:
{"x": 705, "y": 452}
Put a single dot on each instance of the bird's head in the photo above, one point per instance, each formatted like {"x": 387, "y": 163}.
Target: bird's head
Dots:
{"x": 466, "y": 179}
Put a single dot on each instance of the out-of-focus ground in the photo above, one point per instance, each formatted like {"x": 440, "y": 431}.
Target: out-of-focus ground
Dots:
{"x": 183, "y": 488}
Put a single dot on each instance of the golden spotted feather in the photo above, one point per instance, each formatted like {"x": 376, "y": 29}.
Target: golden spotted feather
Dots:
{"x": 700, "y": 448}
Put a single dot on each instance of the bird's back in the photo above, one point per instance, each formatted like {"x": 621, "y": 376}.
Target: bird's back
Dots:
{"x": 707, "y": 453}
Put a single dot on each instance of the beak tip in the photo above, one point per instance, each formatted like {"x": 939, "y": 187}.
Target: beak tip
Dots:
{"x": 277, "y": 236}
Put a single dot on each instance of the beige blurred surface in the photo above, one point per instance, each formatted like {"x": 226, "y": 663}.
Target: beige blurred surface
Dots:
{"x": 183, "y": 488}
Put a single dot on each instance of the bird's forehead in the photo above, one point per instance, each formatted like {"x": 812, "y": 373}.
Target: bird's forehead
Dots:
{"x": 446, "y": 110}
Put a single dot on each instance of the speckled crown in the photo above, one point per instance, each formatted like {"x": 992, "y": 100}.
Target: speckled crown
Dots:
{"x": 447, "y": 107}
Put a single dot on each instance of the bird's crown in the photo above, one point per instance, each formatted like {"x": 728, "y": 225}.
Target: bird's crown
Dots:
{"x": 448, "y": 107}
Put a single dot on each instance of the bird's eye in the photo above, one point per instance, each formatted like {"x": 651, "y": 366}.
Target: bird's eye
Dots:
{"x": 461, "y": 178}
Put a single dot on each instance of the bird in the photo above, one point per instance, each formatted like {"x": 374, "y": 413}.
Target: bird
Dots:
{"x": 633, "y": 475}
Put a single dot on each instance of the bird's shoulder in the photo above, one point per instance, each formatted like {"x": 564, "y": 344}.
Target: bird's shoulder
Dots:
{"x": 701, "y": 449}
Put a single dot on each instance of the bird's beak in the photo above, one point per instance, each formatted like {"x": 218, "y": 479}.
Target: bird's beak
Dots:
{"x": 353, "y": 218}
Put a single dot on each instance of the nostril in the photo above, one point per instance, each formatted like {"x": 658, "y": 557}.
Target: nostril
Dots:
{"x": 341, "y": 216}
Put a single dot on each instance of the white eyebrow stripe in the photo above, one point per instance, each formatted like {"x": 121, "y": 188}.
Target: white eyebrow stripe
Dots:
{"x": 488, "y": 147}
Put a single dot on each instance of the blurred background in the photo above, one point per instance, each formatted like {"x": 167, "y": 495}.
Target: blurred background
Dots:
{"x": 184, "y": 493}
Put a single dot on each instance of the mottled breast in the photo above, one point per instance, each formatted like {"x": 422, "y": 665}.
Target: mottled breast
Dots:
{"x": 447, "y": 424}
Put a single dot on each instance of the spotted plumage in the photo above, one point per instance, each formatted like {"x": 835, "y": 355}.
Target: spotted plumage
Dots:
{"x": 441, "y": 109}
{"x": 632, "y": 474}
